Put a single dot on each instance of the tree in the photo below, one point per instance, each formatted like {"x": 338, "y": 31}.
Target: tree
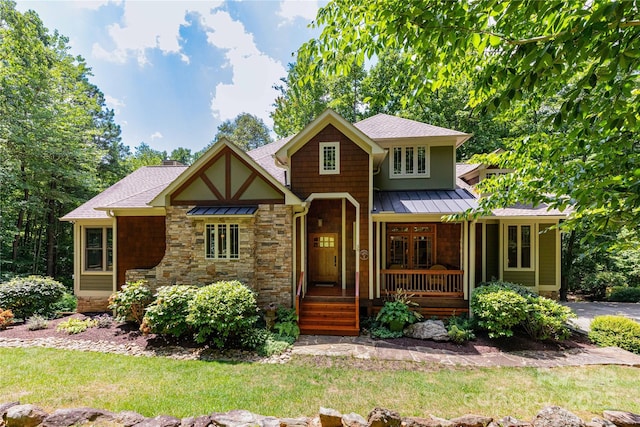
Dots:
{"x": 576, "y": 62}
{"x": 246, "y": 131}
{"x": 182, "y": 155}
{"x": 144, "y": 155}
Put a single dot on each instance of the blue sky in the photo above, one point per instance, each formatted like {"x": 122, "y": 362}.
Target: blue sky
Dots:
{"x": 174, "y": 70}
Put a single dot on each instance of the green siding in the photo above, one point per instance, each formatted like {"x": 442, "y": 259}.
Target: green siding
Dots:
{"x": 547, "y": 255}
{"x": 96, "y": 283}
{"x": 493, "y": 251}
{"x": 441, "y": 164}
{"x": 527, "y": 278}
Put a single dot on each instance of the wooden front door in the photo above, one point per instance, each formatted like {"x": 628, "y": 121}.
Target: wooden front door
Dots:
{"x": 323, "y": 258}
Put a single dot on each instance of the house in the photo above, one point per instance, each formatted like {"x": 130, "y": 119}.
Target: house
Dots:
{"x": 330, "y": 221}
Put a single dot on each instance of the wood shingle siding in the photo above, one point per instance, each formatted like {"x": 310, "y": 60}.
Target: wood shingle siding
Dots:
{"x": 141, "y": 243}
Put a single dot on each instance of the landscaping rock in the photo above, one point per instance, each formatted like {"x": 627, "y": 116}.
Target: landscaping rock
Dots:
{"x": 381, "y": 417}
{"x": 353, "y": 420}
{"x": 74, "y": 416}
{"x": 599, "y": 422}
{"x": 294, "y": 422}
{"x": 240, "y": 418}
{"x": 622, "y": 418}
{"x": 512, "y": 422}
{"x": 24, "y": 416}
{"x": 160, "y": 421}
{"x": 330, "y": 417}
{"x": 471, "y": 420}
{"x": 4, "y": 407}
{"x": 555, "y": 416}
{"x": 201, "y": 421}
{"x": 128, "y": 418}
{"x": 426, "y": 422}
{"x": 428, "y": 330}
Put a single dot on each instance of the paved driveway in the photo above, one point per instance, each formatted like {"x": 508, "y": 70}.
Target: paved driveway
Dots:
{"x": 586, "y": 311}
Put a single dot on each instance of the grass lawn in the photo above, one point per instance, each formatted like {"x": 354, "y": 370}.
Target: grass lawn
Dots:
{"x": 152, "y": 386}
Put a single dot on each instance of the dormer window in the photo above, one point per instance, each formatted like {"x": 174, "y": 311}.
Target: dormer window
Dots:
{"x": 329, "y": 158}
{"x": 409, "y": 161}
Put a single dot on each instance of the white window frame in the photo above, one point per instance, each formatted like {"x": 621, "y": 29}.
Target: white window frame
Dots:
{"x": 403, "y": 168}
{"x": 105, "y": 250}
{"x": 532, "y": 240}
{"x": 336, "y": 147}
{"x": 226, "y": 229}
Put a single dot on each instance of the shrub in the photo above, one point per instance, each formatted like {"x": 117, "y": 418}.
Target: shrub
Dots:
{"x": 67, "y": 304}
{"x": 167, "y": 315}
{"x": 595, "y": 284}
{"x": 222, "y": 311}
{"x": 461, "y": 329}
{"x": 547, "y": 319}
{"x": 129, "y": 303}
{"x": 6, "y": 318}
{"x": 616, "y": 331}
{"x": 381, "y": 332}
{"x": 37, "y": 322}
{"x": 75, "y": 326}
{"x": 103, "y": 321}
{"x": 253, "y": 338}
{"x": 397, "y": 312}
{"x": 498, "y": 309}
{"x": 26, "y": 296}
{"x": 287, "y": 323}
{"x": 519, "y": 289}
{"x": 274, "y": 344}
{"x": 624, "y": 294}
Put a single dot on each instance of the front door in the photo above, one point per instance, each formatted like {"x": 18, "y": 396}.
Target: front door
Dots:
{"x": 323, "y": 258}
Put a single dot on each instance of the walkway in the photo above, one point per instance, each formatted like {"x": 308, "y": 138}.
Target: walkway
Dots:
{"x": 586, "y": 311}
{"x": 366, "y": 348}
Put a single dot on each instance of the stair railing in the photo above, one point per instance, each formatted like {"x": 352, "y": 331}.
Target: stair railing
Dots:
{"x": 299, "y": 293}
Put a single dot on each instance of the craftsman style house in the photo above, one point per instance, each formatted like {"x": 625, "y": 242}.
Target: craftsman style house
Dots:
{"x": 330, "y": 221}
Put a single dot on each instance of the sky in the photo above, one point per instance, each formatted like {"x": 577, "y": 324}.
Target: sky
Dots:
{"x": 173, "y": 71}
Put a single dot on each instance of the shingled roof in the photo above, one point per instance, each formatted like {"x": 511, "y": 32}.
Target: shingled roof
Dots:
{"x": 384, "y": 126}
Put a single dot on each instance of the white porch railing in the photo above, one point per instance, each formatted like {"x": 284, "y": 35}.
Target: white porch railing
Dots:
{"x": 424, "y": 282}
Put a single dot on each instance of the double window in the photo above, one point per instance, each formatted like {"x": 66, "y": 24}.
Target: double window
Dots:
{"x": 329, "y": 158}
{"x": 409, "y": 161}
{"x": 98, "y": 249}
{"x": 222, "y": 241}
{"x": 410, "y": 246}
{"x": 519, "y": 247}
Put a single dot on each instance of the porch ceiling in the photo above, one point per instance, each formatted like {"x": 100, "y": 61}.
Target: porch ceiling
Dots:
{"x": 424, "y": 201}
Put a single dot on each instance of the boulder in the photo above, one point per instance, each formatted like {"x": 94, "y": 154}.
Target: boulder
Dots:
{"x": 238, "y": 418}
{"x": 622, "y": 418}
{"x": 512, "y": 422}
{"x": 201, "y": 421}
{"x": 426, "y": 422}
{"x": 471, "y": 420}
{"x": 24, "y": 416}
{"x": 128, "y": 418}
{"x": 599, "y": 422}
{"x": 353, "y": 420}
{"x": 555, "y": 416}
{"x": 160, "y": 421}
{"x": 74, "y": 416}
{"x": 330, "y": 417}
{"x": 294, "y": 422}
{"x": 428, "y": 330}
{"x": 381, "y": 417}
{"x": 4, "y": 407}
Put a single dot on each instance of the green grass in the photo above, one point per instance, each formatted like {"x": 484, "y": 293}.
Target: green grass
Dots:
{"x": 153, "y": 386}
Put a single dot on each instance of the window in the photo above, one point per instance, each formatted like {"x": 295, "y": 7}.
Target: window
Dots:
{"x": 329, "y": 158}
{"x": 98, "y": 249}
{"x": 519, "y": 247}
{"x": 222, "y": 241}
{"x": 410, "y": 246}
{"x": 410, "y": 161}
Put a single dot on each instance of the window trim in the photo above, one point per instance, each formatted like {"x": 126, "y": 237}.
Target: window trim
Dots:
{"x": 532, "y": 240}
{"x": 229, "y": 255}
{"x": 322, "y": 170}
{"x": 105, "y": 270}
{"x": 403, "y": 160}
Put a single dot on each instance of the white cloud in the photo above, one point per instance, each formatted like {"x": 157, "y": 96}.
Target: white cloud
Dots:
{"x": 156, "y": 135}
{"x": 114, "y": 103}
{"x": 291, "y": 10}
{"x": 92, "y": 4}
{"x": 150, "y": 25}
{"x": 253, "y": 72}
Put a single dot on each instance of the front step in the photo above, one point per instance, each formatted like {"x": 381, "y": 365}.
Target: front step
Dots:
{"x": 328, "y": 318}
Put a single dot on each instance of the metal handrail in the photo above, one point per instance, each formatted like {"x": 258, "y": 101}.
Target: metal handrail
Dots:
{"x": 298, "y": 293}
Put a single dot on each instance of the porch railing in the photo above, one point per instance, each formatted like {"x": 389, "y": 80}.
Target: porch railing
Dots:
{"x": 424, "y": 282}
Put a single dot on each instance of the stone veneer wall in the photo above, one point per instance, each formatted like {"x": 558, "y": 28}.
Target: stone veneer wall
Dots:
{"x": 265, "y": 254}
{"x": 92, "y": 304}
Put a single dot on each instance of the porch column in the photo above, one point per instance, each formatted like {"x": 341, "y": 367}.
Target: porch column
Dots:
{"x": 472, "y": 256}
{"x": 378, "y": 257}
{"x": 465, "y": 259}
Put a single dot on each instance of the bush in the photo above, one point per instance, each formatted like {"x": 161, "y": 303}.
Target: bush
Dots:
{"x": 616, "y": 331}
{"x": 547, "y": 319}
{"x": 37, "y": 322}
{"x": 274, "y": 344}
{"x": 103, "y": 321}
{"x": 74, "y": 325}
{"x": 624, "y": 294}
{"x": 595, "y": 284}
{"x": 498, "y": 309}
{"x": 6, "y": 318}
{"x": 222, "y": 311}
{"x": 461, "y": 329}
{"x": 129, "y": 303}
{"x": 287, "y": 323}
{"x": 381, "y": 333}
{"x": 67, "y": 304}
{"x": 26, "y": 296}
{"x": 167, "y": 315}
{"x": 397, "y": 313}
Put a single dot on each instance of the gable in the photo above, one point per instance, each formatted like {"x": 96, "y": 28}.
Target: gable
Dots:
{"x": 226, "y": 179}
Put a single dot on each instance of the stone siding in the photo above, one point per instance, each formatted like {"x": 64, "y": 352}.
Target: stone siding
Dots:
{"x": 264, "y": 262}
{"x": 92, "y": 304}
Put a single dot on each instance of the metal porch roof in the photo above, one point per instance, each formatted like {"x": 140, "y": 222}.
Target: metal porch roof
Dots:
{"x": 424, "y": 201}
{"x": 222, "y": 210}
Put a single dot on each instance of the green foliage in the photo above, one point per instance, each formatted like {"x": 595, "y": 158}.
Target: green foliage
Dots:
{"x": 546, "y": 319}
{"x": 246, "y": 131}
{"x": 74, "y": 325}
{"x": 624, "y": 294}
{"x": 103, "y": 321}
{"x": 6, "y": 318}
{"x": 130, "y": 302}
{"x": 595, "y": 284}
{"x": 397, "y": 311}
{"x": 37, "y": 322}
{"x": 167, "y": 315}
{"x": 253, "y": 338}
{"x": 498, "y": 309}
{"x": 287, "y": 322}
{"x": 222, "y": 311}
{"x": 616, "y": 331}
{"x": 460, "y": 329}
{"x": 382, "y": 332}
{"x": 275, "y": 344}
{"x": 67, "y": 304}
{"x": 26, "y": 296}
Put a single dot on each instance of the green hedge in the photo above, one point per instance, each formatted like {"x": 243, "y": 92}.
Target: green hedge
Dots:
{"x": 624, "y": 294}
{"x": 167, "y": 315}
{"x": 616, "y": 331}
{"x": 26, "y": 296}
